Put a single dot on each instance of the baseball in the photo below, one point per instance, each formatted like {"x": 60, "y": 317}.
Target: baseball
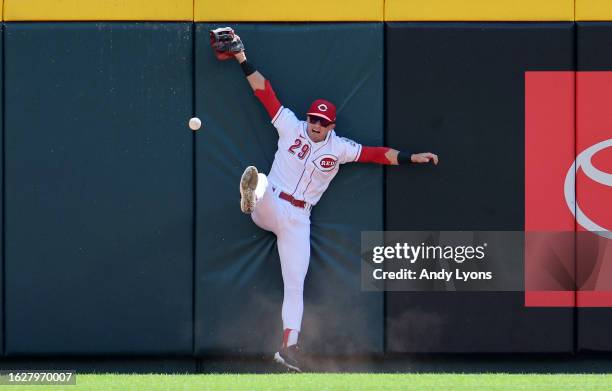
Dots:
{"x": 195, "y": 123}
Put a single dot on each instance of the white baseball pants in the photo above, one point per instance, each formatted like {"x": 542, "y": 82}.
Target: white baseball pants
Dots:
{"x": 291, "y": 225}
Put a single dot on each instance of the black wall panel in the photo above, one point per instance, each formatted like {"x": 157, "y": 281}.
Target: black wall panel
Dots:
{"x": 458, "y": 89}
{"x": 239, "y": 285}
{"x": 593, "y": 40}
{"x": 98, "y": 188}
{"x": 594, "y": 55}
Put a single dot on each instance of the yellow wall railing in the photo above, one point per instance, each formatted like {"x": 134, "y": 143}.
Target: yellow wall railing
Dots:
{"x": 596, "y": 10}
{"x": 306, "y": 11}
{"x": 479, "y": 10}
{"x": 73, "y": 10}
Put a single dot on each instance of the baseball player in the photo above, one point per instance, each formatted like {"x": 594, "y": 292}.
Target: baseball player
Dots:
{"x": 308, "y": 157}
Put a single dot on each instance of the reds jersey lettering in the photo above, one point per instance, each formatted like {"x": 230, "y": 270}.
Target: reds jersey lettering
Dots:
{"x": 326, "y": 162}
{"x": 302, "y": 167}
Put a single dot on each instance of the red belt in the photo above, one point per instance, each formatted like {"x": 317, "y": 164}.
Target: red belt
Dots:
{"x": 289, "y": 198}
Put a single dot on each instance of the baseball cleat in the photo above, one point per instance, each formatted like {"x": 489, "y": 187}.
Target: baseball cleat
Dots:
{"x": 248, "y": 183}
{"x": 289, "y": 357}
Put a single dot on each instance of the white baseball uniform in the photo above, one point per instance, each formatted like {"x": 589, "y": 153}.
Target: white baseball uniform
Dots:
{"x": 302, "y": 169}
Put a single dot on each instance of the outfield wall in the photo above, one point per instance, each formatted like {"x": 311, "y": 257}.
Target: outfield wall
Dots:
{"x": 122, "y": 232}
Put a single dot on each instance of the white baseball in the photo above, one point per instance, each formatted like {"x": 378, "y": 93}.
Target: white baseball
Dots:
{"x": 195, "y": 123}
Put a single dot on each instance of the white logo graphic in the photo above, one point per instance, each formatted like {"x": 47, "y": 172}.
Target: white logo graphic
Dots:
{"x": 326, "y": 162}
{"x": 583, "y": 160}
{"x": 322, "y": 107}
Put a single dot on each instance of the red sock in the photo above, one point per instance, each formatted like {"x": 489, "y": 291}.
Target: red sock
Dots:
{"x": 290, "y": 337}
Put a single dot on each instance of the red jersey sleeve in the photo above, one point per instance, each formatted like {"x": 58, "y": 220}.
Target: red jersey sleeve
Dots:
{"x": 268, "y": 99}
{"x": 374, "y": 155}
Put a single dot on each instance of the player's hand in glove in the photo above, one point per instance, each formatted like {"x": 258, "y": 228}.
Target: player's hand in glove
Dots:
{"x": 424, "y": 157}
{"x": 226, "y": 43}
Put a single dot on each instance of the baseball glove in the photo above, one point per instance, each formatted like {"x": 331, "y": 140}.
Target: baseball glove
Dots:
{"x": 225, "y": 43}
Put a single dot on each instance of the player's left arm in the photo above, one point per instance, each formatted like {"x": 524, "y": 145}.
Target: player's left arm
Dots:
{"x": 260, "y": 85}
{"x": 390, "y": 156}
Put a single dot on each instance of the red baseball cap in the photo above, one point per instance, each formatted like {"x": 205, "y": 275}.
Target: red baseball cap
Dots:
{"x": 324, "y": 109}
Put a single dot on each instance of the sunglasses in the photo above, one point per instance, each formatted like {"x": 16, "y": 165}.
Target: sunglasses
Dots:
{"x": 314, "y": 119}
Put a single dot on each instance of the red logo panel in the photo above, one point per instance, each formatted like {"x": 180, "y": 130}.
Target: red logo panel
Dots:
{"x": 568, "y": 189}
{"x": 549, "y": 152}
{"x": 594, "y": 189}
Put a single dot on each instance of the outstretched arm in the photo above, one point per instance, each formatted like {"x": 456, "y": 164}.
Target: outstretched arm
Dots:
{"x": 255, "y": 79}
{"x": 385, "y": 155}
{"x": 261, "y": 87}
